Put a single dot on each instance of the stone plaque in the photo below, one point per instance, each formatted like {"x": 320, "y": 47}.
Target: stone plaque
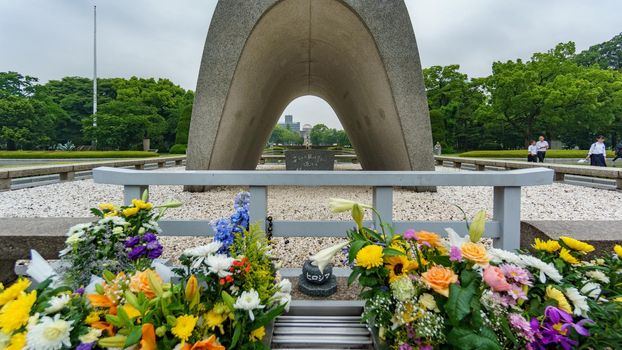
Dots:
{"x": 309, "y": 159}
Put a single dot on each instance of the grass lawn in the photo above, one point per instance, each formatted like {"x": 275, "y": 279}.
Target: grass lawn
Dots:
{"x": 74, "y": 154}
{"x": 554, "y": 153}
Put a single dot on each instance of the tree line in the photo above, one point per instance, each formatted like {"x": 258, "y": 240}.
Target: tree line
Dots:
{"x": 40, "y": 116}
{"x": 560, "y": 94}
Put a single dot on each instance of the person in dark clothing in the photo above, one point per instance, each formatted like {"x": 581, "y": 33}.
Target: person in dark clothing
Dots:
{"x": 618, "y": 150}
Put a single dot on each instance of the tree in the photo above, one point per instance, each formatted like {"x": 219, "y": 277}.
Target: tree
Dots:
{"x": 285, "y": 136}
{"x": 15, "y": 84}
{"x": 607, "y": 55}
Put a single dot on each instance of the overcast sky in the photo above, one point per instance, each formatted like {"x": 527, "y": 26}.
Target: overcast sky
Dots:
{"x": 50, "y": 39}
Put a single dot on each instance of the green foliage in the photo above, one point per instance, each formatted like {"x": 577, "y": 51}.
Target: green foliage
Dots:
{"x": 74, "y": 154}
{"x": 285, "y": 136}
{"x": 554, "y": 153}
{"x": 323, "y": 135}
{"x": 178, "y": 149}
{"x": 607, "y": 55}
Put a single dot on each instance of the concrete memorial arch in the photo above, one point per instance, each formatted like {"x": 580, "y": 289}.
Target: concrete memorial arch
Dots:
{"x": 360, "y": 56}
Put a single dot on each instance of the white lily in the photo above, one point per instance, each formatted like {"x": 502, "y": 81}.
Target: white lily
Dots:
{"x": 90, "y": 288}
{"x": 454, "y": 238}
{"x": 322, "y": 258}
{"x": 339, "y": 205}
{"x": 165, "y": 272}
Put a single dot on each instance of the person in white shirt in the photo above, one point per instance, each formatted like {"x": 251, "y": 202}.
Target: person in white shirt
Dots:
{"x": 542, "y": 147}
{"x": 532, "y": 155}
{"x": 598, "y": 152}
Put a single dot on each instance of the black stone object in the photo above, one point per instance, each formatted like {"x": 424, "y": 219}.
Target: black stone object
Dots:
{"x": 309, "y": 159}
{"x": 314, "y": 283}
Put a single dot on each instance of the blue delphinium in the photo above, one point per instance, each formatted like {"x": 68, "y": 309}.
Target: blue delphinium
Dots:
{"x": 225, "y": 228}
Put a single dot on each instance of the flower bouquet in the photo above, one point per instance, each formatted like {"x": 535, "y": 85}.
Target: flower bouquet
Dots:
{"x": 427, "y": 292}
{"x": 218, "y": 298}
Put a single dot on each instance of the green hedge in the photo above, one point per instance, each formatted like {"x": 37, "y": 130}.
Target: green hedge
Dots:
{"x": 74, "y": 154}
{"x": 178, "y": 149}
{"x": 554, "y": 153}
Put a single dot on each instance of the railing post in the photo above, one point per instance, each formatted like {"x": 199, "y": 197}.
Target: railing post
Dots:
{"x": 559, "y": 176}
{"x": 178, "y": 162}
{"x": 383, "y": 202}
{"x": 5, "y": 184}
{"x": 133, "y": 192}
{"x": 480, "y": 167}
{"x": 161, "y": 164}
{"x": 618, "y": 183}
{"x": 139, "y": 166}
{"x": 258, "y": 210}
{"x": 457, "y": 165}
{"x": 506, "y": 211}
{"x": 67, "y": 176}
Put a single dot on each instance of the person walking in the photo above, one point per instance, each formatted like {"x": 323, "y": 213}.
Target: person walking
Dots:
{"x": 532, "y": 152}
{"x": 598, "y": 152}
{"x": 437, "y": 149}
{"x": 542, "y": 147}
{"x": 618, "y": 151}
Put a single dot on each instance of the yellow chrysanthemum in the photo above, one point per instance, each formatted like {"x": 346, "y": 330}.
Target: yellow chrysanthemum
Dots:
{"x": 547, "y": 246}
{"x": 14, "y": 314}
{"x": 618, "y": 299}
{"x": 257, "y": 334}
{"x": 14, "y": 291}
{"x": 92, "y": 318}
{"x": 140, "y": 204}
{"x": 399, "y": 266}
{"x": 214, "y": 319}
{"x": 18, "y": 342}
{"x": 107, "y": 206}
{"x": 576, "y": 244}
{"x": 111, "y": 214}
{"x": 369, "y": 256}
{"x": 567, "y": 257}
{"x": 562, "y": 303}
{"x": 130, "y": 212}
{"x": 618, "y": 250}
{"x": 184, "y": 326}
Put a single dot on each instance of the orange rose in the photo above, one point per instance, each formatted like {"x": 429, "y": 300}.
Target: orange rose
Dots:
{"x": 428, "y": 238}
{"x": 475, "y": 252}
{"x": 208, "y": 344}
{"x": 140, "y": 283}
{"x": 439, "y": 278}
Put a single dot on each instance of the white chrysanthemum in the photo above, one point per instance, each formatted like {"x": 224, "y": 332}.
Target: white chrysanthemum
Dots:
{"x": 500, "y": 255}
{"x": 427, "y": 300}
{"x": 591, "y": 289}
{"x": 581, "y": 308}
{"x": 283, "y": 299}
{"x": 219, "y": 264}
{"x": 92, "y": 336}
{"x": 49, "y": 334}
{"x": 203, "y": 250}
{"x": 249, "y": 301}
{"x": 79, "y": 228}
{"x": 598, "y": 276}
{"x": 74, "y": 238}
{"x": 117, "y": 230}
{"x": 285, "y": 286}
{"x": 545, "y": 269}
{"x": 57, "y": 303}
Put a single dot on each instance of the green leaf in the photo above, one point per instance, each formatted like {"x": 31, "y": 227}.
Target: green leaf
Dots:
{"x": 392, "y": 252}
{"x": 228, "y": 299}
{"x": 355, "y": 273}
{"x": 373, "y": 234}
{"x": 267, "y": 317}
{"x": 459, "y": 303}
{"x": 114, "y": 320}
{"x": 466, "y": 339}
{"x": 236, "y": 335}
{"x": 468, "y": 276}
{"x": 134, "y": 336}
{"x": 355, "y": 246}
{"x": 97, "y": 212}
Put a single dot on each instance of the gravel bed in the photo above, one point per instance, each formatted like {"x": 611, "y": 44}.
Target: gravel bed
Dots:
{"x": 552, "y": 202}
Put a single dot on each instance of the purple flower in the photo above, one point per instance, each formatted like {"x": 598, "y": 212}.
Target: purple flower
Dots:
{"x": 155, "y": 253}
{"x": 555, "y": 327}
{"x": 153, "y": 245}
{"x": 132, "y": 241}
{"x": 425, "y": 347}
{"x": 516, "y": 274}
{"x": 79, "y": 291}
{"x": 521, "y": 325}
{"x": 405, "y": 347}
{"x": 85, "y": 346}
{"x": 409, "y": 234}
{"x": 149, "y": 237}
{"x": 242, "y": 200}
{"x": 455, "y": 254}
{"x": 137, "y": 252}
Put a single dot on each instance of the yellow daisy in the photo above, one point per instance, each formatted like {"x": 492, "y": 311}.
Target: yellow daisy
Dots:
{"x": 15, "y": 314}
{"x": 399, "y": 266}
{"x": 547, "y": 246}
{"x": 14, "y": 291}
{"x": 618, "y": 250}
{"x": 567, "y": 257}
{"x": 562, "y": 303}
{"x": 184, "y": 326}
{"x": 257, "y": 334}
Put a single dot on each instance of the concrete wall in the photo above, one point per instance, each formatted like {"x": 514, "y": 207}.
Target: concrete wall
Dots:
{"x": 359, "y": 56}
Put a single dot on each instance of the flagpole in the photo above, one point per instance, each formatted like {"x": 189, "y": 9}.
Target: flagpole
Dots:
{"x": 94, "y": 69}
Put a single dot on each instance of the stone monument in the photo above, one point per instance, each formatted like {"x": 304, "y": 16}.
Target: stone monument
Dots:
{"x": 359, "y": 56}
{"x": 309, "y": 159}
{"x": 316, "y": 283}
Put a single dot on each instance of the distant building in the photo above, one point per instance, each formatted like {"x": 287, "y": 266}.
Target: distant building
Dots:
{"x": 289, "y": 124}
